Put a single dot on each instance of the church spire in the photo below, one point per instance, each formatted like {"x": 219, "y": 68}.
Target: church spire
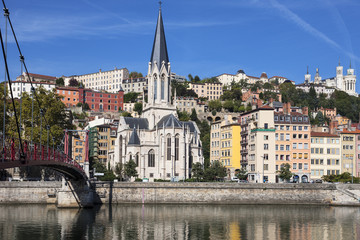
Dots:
{"x": 159, "y": 52}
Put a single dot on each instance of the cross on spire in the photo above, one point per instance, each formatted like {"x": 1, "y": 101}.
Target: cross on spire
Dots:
{"x": 160, "y": 2}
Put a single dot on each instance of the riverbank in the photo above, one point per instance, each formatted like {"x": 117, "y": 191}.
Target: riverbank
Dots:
{"x": 189, "y": 193}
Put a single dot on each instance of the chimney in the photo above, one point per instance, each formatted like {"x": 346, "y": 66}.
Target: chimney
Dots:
{"x": 259, "y": 103}
{"x": 287, "y": 108}
{"x": 305, "y": 110}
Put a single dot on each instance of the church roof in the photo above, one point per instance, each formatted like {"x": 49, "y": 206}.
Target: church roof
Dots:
{"x": 190, "y": 125}
{"x": 169, "y": 121}
{"x": 134, "y": 138}
{"x": 159, "y": 51}
{"x": 141, "y": 123}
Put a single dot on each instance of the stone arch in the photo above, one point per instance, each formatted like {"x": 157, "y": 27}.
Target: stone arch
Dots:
{"x": 177, "y": 147}
{"x": 155, "y": 85}
{"x": 168, "y": 146}
{"x": 151, "y": 158}
{"x": 218, "y": 118}
{"x": 136, "y": 160}
{"x": 162, "y": 90}
{"x": 210, "y": 119}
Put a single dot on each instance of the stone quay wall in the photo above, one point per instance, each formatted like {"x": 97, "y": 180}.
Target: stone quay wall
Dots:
{"x": 189, "y": 193}
{"x": 228, "y": 193}
{"x": 29, "y": 192}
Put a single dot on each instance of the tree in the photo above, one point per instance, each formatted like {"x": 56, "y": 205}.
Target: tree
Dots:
{"x": 242, "y": 174}
{"x": 130, "y": 97}
{"x": 138, "y": 108}
{"x": 284, "y": 172}
{"x": 205, "y": 140}
{"x": 197, "y": 171}
{"x": 319, "y": 119}
{"x": 183, "y": 116}
{"x": 215, "y": 105}
{"x": 86, "y": 107}
{"x": 190, "y": 77}
{"x": 73, "y": 82}
{"x": 193, "y": 115}
{"x": 135, "y": 75}
{"x": 126, "y": 114}
{"x": 119, "y": 170}
{"x": 197, "y": 79}
{"x": 60, "y": 82}
{"x": 130, "y": 169}
{"x": 229, "y": 105}
{"x": 216, "y": 171}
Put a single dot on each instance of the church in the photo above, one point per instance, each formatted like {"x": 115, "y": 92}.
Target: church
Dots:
{"x": 162, "y": 146}
{"x": 346, "y": 83}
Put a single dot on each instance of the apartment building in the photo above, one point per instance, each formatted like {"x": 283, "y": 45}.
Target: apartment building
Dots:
{"x": 258, "y": 144}
{"x": 349, "y": 156}
{"x": 21, "y": 87}
{"x": 100, "y": 101}
{"x": 79, "y": 147}
{"x": 325, "y": 154}
{"x": 187, "y": 104}
{"x": 69, "y": 95}
{"x": 230, "y": 147}
{"x": 292, "y": 145}
{"x": 102, "y": 143}
{"x": 134, "y": 85}
{"x": 110, "y": 81}
{"x": 211, "y": 91}
{"x": 216, "y": 136}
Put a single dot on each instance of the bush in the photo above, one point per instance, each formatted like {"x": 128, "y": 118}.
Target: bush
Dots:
{"x": 138, "y": 180}
{"x": 161, "y": 180}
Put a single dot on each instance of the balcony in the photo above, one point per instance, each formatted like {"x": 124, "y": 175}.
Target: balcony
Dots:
{"x": 243, "y": 151}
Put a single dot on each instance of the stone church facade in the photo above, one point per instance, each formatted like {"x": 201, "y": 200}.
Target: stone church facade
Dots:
{"x": 162, "y": 146}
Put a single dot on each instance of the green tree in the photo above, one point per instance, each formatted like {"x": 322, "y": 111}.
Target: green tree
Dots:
{"x": 135, "y": 75}
{"x": 73, "y": 82}
{"x": 197, "y": 171}
{"x": 130, "y": 169}
{"x": 138, "y": 108}
{"x": 215, "y": 105}
{"x": 60, "y": 82}
{"x": 319, "y": 119}
{"x": 130, "y": 97}
{"x": 284, "y": 172}
{"x": 242, "y": 174}
{"x": 216, "y": 171}
{"x": 229, "y": 105}
{"x": 86, "y": 107}
{"x": 193, "y": 115}
{"x": 126, "y": 114}
{"x": 183, "y": 116}
{"x": 205, "y": 140}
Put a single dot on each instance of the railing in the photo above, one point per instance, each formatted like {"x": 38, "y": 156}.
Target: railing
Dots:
{"x": 35, "y": 152}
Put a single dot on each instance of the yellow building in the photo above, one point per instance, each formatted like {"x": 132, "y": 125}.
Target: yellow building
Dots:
{"x": 230, "y": 147}
{"x": 348, "y": 151}
{"x": 79, "y": 148}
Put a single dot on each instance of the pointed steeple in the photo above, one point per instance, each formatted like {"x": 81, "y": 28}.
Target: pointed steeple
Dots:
{"x": 134, "y": 138}
{"x": 307, "y": 72}
{"x": 159, "y": 51}
{"x": 339, "y": 62}
{"x": 350, "y": 63}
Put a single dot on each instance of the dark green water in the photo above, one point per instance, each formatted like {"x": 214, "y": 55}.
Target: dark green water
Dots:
{"x": 179, "y": 222}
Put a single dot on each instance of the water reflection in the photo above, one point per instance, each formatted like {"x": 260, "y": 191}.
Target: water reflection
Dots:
{"x": 179, "y": 222}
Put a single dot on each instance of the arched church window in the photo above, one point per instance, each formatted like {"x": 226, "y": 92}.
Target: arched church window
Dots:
{"x": 151, "y": 158}
{"x": 162, "y": 87}
{"x": 155, "y": 86}
{"x": 168, "y": 147}
{"x": 120, "y": 147}
{"x": 137, "y": 159}
{"x": 177, "y": 141}
{"x": 130, "y": 157}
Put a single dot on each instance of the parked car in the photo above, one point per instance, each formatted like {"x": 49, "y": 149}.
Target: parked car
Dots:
{"x": 318, "y": 181}
{"x": 234, "y": 179}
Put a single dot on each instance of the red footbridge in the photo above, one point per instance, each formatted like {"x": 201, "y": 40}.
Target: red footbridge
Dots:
{"x": 35, "y": 154}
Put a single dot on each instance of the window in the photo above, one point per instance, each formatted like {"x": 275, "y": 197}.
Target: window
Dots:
{"x": 151, "y": 158}
{"x": 177, "y": 139}
{"x": 266, "y": 156}
{"x": 266, "y": 146}
{"x": 168, "y": 148}
{"x": 294, "y": 165}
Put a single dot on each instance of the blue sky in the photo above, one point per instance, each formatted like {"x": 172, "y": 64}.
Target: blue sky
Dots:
{"x": 204, "y": 37}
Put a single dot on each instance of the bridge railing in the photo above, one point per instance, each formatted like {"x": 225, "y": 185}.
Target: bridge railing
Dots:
{"x": 33, "y": 152}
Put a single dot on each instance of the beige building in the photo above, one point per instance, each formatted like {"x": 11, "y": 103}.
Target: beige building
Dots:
{"x": 110, "y": 81}
{"x": 212, "y": 91}
{"x": 187, "y": 104}
{"x": 348, "y": 151}
{"x": 325, "y": 154}
{"x": 134, "y": 85}
{"x": 129, "y": 107}
{"x": 36, "y": 78}
{"x": 258, "y": 144}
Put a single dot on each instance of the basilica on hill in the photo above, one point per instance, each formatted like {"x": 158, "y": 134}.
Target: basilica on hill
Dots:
{"x": 162, "y": 146}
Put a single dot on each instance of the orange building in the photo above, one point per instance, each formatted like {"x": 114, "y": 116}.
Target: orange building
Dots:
{"x": 70, "y": 95}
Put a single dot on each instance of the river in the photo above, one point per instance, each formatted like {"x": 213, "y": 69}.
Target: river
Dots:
{"x": 179, "y": 222}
